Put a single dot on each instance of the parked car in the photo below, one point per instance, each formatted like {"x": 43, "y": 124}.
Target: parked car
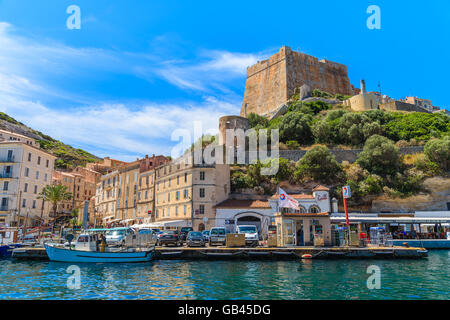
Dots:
{"x": 169, "y": 237}
{"x": 195, "y": 239}
{"x": 251, "y": 234}
{"x": 116, "y": 236}
{"x": 217, "y": 235}
{"x": 184, "y": 232}
{"x": 206, "y": 235}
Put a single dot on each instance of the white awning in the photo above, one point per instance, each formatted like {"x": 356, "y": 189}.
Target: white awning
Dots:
{"x": 108, "y": 217}
{"x": 414, "y": 220}
{"x": 113, "y": 220}
{"x": 127, "y": 220}
{"x": 173, "y": 223}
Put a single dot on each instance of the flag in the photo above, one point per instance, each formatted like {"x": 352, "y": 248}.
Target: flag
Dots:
{"x": 286, "y": 201}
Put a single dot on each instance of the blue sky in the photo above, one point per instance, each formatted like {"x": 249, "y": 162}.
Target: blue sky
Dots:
{"x": 138, "y": 70}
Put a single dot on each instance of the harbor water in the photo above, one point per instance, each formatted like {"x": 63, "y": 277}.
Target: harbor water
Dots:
{"x": 176, "y": 279}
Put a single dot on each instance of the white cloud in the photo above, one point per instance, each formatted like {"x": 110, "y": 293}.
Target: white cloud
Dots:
{"x": 28, "y": 69}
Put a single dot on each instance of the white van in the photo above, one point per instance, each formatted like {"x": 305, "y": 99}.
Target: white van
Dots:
{"x": 251, "y": 234}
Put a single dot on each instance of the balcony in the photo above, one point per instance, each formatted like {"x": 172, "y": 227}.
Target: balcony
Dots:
{"x": 7, "y": 159}
{"x": 6, "y": 175}
{"x": 4, "y": 209}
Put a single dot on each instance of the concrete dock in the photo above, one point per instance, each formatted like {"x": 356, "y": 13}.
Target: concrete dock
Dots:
{"x": 260, "y": 253}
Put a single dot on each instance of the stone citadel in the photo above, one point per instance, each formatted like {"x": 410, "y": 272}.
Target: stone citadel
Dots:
{"x": 270, "y": 83}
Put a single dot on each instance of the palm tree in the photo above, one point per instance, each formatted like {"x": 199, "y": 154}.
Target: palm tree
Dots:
{"x": 55, "y": 194}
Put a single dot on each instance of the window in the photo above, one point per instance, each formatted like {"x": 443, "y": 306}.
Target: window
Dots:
{"x": 24, "y": 203}
{"x": 46, "y": 163}
{"x": 35, "y": 189}
{"x": 45, "y": 177}
{"x": 39, "y": 160}
{"x": 5, "y": 185}
{"x": 10, "y": 155}
{"x": 184, "y": 209}
{"x": 177, "y": 195}
{"x": 176, "y": 210}
{"x": 314, "y": 209}
{"x": 34, "y": 204}
{"x": 29, "y": 156}
{"x": 185, "y": 193}
{"x": 37, "y": 175}
{"x": 168, "y": 197}
{"x": 202, "y": 208}
{"x": 25, "y": 189}
{"x": 202, "y": 175}
{"x": 185, "y": 177}
{"x": 146, "y": 194}
{"x": 27, "y": 172}
{"x": 169, "y": 181}
{"x": 178, "y": 179}
{"x": 202, "y": 192}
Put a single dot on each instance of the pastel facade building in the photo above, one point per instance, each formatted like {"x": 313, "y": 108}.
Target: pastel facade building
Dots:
{"x": 12, "y": 136}
{"x": 106, "y": 197}
{"x": 24, "y": 171}
{"x": 187, "y": 192}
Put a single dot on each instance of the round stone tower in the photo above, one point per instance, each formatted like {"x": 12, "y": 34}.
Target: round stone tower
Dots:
{"x": 231, "y": 122}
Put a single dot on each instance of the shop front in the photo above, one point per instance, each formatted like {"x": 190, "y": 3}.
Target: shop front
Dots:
{"x": 303, "y": 229}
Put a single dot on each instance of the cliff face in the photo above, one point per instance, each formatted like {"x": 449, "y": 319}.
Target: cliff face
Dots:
{"x": 437, "y": 199}
{"x": 68, "y": 157}
{"x": 271, "y": 82}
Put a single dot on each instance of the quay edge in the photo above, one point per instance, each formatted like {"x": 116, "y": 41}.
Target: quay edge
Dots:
{"x": 266, "y": 253}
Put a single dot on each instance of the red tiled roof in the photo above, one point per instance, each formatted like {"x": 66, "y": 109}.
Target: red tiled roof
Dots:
{"x": 308, "y": 214}
{"x": 320, "y": 188}
{"x": 296, "y": 196}
{"x": 241, "y": 204}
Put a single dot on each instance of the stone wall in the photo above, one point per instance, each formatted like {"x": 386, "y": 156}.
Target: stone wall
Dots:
{"x": 342, "y": 155}
{"x": 401, "y": 106}
{"x": 271, "y": 82}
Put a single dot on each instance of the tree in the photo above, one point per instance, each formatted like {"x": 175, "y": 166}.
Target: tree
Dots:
{"x": 295, "y": 126}
{"x": 55, "y": 194}
{"x": 320, "y": 165}
{"x": 380, "y": 156}
{"x": 438, "y": 151}
{"x": 255, "y": 119}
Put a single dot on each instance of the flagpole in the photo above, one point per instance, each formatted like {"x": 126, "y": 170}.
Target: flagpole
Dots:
{"x": 346, "y": 216}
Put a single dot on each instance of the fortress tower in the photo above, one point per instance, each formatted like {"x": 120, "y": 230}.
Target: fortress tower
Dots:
{"x": 270, "y": 83}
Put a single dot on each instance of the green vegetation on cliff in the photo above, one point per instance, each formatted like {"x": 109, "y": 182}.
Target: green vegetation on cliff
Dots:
{"x": 68, "y": 156}
{"x": 380, "y": 167}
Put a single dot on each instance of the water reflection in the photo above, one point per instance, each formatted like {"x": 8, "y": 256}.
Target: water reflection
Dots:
{"x": 303, "y": 279}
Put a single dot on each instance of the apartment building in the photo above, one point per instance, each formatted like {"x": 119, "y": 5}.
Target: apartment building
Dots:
{"x": 24, "y": 171}
{"x": 146, "y": 196}
{"x": 9, "y": 136}
{"x": 127, "y": 192}
{"x": 106, "y": 198}
{"x": 105, "y": 165}
{"x": 186, "y": 193}
{"x": 67, "y": 179}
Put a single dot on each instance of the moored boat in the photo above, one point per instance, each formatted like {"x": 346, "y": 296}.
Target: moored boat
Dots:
{"x": 86, "y": 249}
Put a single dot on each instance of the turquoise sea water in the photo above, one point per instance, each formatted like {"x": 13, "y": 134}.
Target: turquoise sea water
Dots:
{"x": 311, "y": 279}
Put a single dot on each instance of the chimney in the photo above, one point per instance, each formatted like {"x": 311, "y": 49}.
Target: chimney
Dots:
{"x": 363, "y": 86}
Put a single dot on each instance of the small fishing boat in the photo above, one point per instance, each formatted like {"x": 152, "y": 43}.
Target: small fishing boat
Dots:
{"x": 87, "y": 250}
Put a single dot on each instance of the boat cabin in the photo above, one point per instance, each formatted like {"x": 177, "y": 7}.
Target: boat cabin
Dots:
{"x": 87, "y": 242}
